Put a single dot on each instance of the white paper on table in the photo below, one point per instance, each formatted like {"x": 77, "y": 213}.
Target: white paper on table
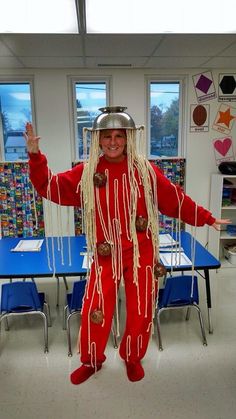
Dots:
{"x": 175, "y": 259}
{"x": 165, "y": 240}
{"x": 87, "y": 261}
{"x": 28, "y": 246}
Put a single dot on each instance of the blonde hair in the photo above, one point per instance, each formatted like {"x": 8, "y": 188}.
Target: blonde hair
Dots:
{"x": 140, "y": 172}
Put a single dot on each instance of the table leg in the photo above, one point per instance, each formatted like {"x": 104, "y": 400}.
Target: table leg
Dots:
{"x": 208, "y": 295}
{"x": 65, "y": 283}
{"x": 58, "y": 290}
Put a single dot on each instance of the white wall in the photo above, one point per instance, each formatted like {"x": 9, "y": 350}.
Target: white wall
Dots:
{"x": 128, "y": 89}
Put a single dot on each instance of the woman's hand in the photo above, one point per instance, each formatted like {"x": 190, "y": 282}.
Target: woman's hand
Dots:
{"x": 218, "y": 222}
{"x": 32, "y": 141}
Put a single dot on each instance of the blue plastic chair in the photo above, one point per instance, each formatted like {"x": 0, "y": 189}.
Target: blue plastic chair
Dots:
{"x": 23, "y": 298}
{"x": 179, "y": 292}
{"x": 74, "y": 302}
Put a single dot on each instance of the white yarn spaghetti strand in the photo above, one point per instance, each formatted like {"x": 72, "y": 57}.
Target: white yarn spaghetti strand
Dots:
{"x": 68, "y": 234}
{"x": 140, "y": 174}
{"x": 59, "y": 217}
{"x": 128, "y": 347}
{"x": 193, "y": 247}
{"x": 34, "y": 209}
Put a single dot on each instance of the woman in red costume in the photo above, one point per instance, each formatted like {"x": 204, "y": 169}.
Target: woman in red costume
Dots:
{"x": 121, "y": 194}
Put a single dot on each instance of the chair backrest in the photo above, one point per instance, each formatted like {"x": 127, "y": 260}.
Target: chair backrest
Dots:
{"x": 179, "y": 290}
{"x": 78, "y": 294}
{"x": 20, "y": 296}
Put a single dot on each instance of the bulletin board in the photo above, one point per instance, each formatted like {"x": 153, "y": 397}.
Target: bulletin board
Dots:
{"x": 21, "y": 208}
{"x": 174, "y": 170}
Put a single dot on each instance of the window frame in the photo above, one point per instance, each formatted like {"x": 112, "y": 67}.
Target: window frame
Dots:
{"x": 72, "y": 97}
{"x": 182, "y": 133}
{"x": 18, "y": 80}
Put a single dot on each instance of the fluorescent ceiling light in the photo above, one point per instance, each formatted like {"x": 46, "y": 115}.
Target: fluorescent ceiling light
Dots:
{"x": 38, "y": 16}
{"x": 153, "y": 16}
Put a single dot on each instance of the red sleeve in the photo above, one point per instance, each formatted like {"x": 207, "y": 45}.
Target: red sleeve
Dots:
{"x": 63, "y": 187}
{"x": 171, "y": 197}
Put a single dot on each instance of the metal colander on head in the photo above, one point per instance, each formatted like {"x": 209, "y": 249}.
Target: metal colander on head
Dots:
{"x": 113, "y": 117}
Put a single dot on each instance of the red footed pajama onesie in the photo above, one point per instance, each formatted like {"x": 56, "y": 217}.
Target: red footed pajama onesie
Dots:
{"x": 112, "y": 218}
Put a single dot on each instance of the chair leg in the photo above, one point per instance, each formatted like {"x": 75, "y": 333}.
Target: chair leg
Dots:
{"x": 114, "y": 335}
{"x": 48, "y": 314}
{"x": 45, "y": 330}
{"x": 115, "y": 323}
{"x": 6, "y": 323}
{"x": 188, "y": 314}
{"x": 159, "y": 331}
{"x": 68, "y": 334}
{"x": 201, "y": 324}
{"x": 64, "y": 317}
{"x": 58, "y": 290}
{"x": 4, "y": 317}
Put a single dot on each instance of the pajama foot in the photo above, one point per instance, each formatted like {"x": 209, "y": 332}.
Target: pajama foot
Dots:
{"x": 135, "y": 371}
{"x": 83, "y": 373}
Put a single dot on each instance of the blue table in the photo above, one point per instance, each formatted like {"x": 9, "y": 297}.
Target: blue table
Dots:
{"x": 42, "y": 263}
{"x": 37, "y": 264}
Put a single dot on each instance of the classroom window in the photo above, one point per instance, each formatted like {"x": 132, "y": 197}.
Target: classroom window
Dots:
{"x": 89, "y": 96}
{"x": 15, "y": 111}
{"x": 164, "y": 118}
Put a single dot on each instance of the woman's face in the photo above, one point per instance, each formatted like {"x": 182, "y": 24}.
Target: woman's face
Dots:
{"x": 113, "y": 143}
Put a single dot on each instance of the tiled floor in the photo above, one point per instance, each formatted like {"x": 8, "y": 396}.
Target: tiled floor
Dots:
{"x": 185, "y": 381}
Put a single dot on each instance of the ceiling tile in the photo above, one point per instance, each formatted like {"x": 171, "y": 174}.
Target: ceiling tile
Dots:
{"x": 44, "y": 45}
{"x": 221, "y": 62}
{"x": 52, "y": 62}
{"x": 121, "y": 45}
{"x": 10, "y": 62}
{"x": 175, "y": 62}
{"x": 230, "y": 51}
{"x": 4, "y": 50}
{"x": 194, "y": 45}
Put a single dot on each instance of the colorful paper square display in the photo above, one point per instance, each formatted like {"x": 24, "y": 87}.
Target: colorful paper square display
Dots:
{"x": 21, "y": 208}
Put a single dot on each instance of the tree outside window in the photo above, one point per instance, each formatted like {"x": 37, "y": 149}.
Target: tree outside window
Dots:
{"x": 15, "y": 111}
{"x": 89, "y": 97}
{"x": 164, "y": 119}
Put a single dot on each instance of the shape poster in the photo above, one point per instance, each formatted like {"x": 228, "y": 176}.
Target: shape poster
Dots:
{"x": 199, "y": 118}
{"x": 223, "y": 149}
{"x": 204, "y": 86}
{"x": 225, "y": 118}
{"x": 227, "y": 87}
